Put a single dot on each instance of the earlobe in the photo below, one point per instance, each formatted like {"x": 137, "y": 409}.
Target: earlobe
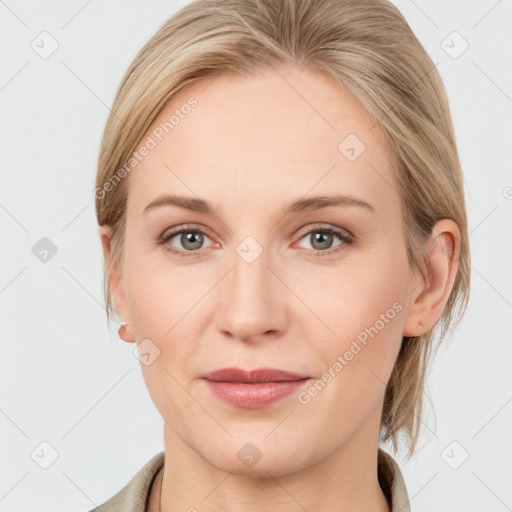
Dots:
{"x": 427, "y": 300}
{"x": 125, "y": 334}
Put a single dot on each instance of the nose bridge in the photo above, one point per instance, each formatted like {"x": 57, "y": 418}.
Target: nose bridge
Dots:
{"x": 250, "y": 304}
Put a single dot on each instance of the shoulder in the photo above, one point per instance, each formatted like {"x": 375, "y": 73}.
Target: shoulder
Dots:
{"x": 134, "y": 495}
{"x": 392, "y": 482}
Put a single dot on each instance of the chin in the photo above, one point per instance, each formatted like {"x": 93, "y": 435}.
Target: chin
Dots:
{"x": 260, "y": 458}
{"x": 264, "y": 468}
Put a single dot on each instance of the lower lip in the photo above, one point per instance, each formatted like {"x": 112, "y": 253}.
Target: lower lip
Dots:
{"x": 254, "y": 395}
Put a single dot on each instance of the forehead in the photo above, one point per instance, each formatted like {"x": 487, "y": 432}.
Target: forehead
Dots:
{"x": 275, "y": 133}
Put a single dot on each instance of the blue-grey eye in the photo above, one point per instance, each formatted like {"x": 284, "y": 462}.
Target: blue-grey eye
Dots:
{"x": 321, "y": 240}
{"x": 191, "y": 240}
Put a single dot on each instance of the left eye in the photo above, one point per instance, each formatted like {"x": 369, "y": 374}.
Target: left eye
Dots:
{"x": 321, "y": 239}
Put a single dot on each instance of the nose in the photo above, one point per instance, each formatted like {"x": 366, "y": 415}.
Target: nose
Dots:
{"x": 252, "y": 305}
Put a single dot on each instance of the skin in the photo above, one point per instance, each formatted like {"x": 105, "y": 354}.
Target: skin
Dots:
{"x": 250, "y": 147}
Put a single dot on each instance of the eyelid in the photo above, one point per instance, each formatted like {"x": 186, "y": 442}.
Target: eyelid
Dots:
{"x": 325, "y": 226}
{"x": 346, "y": 237}
{"x": 184, "y": 227}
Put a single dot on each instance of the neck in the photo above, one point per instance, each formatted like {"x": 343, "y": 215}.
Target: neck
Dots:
{"x": 346, "y": 479}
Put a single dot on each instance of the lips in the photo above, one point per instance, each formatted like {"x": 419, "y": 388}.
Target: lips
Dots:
{"x": 257, "y": 375}
{"x": 253, "y": 389}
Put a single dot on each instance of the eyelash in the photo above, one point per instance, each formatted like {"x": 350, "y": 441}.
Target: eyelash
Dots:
{"x": 347, "y": 238}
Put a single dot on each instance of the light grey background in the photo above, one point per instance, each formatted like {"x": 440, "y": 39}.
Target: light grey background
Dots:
{"x": 68, "y": 382}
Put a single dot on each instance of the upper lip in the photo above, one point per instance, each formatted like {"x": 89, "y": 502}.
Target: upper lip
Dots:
{"x": 256, "y": 375}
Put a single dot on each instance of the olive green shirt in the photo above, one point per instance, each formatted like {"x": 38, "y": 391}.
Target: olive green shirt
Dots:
{"x": 134, "y": 496}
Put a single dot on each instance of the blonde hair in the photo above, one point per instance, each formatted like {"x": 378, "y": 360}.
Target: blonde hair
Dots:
{"x": 366, "y": 46}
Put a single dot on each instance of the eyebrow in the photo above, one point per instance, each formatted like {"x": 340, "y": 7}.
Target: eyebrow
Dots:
{"x": 300, "y": 205}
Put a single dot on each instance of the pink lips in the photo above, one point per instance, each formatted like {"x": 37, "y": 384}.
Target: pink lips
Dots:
{"x": 255, "y": 388}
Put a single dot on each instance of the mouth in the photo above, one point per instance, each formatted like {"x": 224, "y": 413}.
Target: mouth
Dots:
{"x": 253, "y": 389}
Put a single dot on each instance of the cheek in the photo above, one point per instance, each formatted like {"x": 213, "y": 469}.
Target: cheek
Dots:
{"x": 161, "y": 294}
{"x": 365, "y": 309}
{"x": 367, "y": 289}
{"x": 164, "y": 307}
{"x": 167, "y": 307}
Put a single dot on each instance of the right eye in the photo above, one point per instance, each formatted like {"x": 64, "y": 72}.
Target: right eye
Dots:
{"x": 190, "y": 238}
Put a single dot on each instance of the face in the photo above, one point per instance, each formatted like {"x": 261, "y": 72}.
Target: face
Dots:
{"x": 249, "y": 281}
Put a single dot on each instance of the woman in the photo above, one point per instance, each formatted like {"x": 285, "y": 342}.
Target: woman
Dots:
{"x": 282, "y": 216}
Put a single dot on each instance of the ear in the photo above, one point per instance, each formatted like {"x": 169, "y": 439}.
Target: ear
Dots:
{"x": 116, "y": 277}
{"x": 428, "y": 296}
